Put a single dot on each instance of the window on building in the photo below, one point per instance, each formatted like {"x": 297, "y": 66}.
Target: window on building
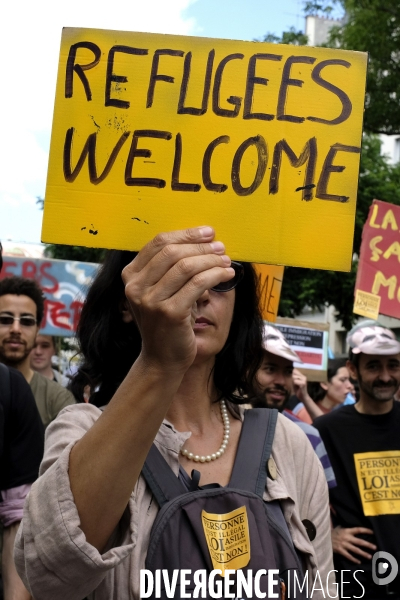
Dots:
{"x": 396, "y": 150}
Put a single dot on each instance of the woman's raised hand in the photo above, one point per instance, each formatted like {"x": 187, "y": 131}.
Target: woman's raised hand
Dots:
{"x": 162, "y": 285}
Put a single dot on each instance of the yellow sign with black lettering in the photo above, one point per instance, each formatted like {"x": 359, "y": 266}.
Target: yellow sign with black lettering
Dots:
{"x": 158, "y": 132}
{"x": 270, "y": 279}
{"x": 378, "y": 477}
{"x": 366, "y": 304}
{"x": 228, "y": 539}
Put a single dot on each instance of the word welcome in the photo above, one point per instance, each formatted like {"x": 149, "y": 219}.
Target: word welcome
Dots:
{"x": 307, "y": 156}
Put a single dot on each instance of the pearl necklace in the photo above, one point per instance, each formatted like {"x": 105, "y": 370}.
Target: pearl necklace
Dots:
{"x": 210, "y": 457}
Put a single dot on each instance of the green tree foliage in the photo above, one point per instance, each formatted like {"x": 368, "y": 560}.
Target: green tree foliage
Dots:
{"x": 316, "y": 288}
{"x": 372, "y": 26}
{"x": 79, "y": 253}
{"x": 296, "y": 38}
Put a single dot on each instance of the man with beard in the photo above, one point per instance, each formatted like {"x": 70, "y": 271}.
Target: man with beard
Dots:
{"x": 276, "y": 380}
{"x": 21, "y": 312}
{"x": 21, "y": 451}
{"x": 363, "y": 444}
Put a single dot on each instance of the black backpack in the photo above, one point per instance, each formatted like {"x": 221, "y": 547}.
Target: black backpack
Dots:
{"x": 218, "y": 527}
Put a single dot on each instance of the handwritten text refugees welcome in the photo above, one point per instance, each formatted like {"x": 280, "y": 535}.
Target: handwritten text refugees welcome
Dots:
{"x": 156, "y": 132}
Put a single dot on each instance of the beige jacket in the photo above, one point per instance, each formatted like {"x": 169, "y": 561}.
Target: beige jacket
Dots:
{"x": 55, "y": 561}
{"x": 50, "y": 397}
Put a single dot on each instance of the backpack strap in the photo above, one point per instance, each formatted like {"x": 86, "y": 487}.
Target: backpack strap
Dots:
{"x": 250, "y": 468}
{"x": 255, "y": 444}
{"x": 160, "y": 478}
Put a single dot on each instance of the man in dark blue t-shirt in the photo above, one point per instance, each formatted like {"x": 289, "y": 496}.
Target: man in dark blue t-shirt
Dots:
{"x": 363, "y": 444}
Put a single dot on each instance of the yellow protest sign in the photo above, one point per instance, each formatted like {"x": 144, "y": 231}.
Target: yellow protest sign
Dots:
{"x": 366, "y": 304}
{"x": 378, "y": 478}
{"x": 157, "y": 132}
{"x": 228, "y": 539}
{"x": 270, "y": 283}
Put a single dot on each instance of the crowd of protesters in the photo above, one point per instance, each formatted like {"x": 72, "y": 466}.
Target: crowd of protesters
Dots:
{"x": 173, "y": 350}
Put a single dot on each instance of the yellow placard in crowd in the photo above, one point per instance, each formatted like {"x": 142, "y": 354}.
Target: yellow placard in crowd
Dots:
{"x": 270, "y": 284}
{"x": 366, "y": 304}
{"x": 158, "y": 132}
{"x": 378, "y": 478}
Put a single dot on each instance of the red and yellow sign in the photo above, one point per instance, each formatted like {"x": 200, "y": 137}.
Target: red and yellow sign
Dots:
{"x": 378, "y": 277}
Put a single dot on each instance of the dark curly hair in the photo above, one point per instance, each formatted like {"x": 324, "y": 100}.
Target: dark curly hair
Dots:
{"x": 315, "y": 390}
{"x": 20, "y": 286}
{"x": 109, "y": 346}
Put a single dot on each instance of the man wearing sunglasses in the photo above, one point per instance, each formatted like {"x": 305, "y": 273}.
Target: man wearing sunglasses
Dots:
{"x": 21, "y": 312}
{"x": 21, "y": 451}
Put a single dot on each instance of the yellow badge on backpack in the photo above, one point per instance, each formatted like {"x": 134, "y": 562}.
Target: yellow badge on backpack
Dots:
{"x": 228, "y": 539}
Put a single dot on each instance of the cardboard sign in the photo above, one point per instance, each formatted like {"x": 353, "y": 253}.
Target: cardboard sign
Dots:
{"x": 156, "y": 132}
{"x": 270, "y": 282}
{"x": 310, "y": 342}
{"x": 378, "y": 268}
{"x": 64, "y": 283}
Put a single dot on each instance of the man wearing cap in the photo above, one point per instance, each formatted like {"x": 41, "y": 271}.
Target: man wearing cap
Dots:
{"x": 276, "y": 380}
{"x": 363, "y": 444}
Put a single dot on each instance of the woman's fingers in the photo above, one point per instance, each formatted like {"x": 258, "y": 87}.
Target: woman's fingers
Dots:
{"x": 164, "y": 282}
{"x": 179, "y": 289}
{"x": 177, "y": 255}
{"x": 195, "y": 235}
{"x": 194, "y": 269}
{"x": 198, "y": 284}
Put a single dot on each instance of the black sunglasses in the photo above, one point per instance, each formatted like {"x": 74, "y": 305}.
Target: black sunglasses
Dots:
{"x": 227, "y": 286}
{"x": 24, "y": 321}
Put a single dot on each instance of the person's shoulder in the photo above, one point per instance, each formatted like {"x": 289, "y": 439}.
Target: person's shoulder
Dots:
{"x": 17, "y": 380}
{"x": 290, "y": 431}
{"x": 69, "y": 426}
{"x": 21, "y": 401}
{"x": 52, "y": 387}
{"x": 20, "y": 388}
{"x": 43, "y": 381}
{"x": 73, "y": 418}
{"x": 292, "y": 450}
{"x": 335, "y": 417}
{"x": 79, "y": 413}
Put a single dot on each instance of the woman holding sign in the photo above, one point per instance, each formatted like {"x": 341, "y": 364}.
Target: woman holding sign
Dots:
{"x": 172, "y": 354}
